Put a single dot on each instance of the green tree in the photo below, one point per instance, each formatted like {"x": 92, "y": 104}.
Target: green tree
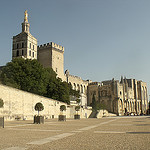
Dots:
{"x": 1, "y": 103}
{"x": 62, "y": 108}
{"x": 30, "y": 75}
{"x": 78, "y": 101}
{"x": 39, "y": 107}
{"x": 94, "y": 103}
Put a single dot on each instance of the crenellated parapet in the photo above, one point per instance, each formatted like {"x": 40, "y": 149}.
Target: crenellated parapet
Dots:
{"x": 96, "y": 83}
{"x": 53, "y": 45}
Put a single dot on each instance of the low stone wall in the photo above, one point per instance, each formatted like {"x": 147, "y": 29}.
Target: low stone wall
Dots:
{"x": 105, "y": 113}
{"x": 20, "y": 105}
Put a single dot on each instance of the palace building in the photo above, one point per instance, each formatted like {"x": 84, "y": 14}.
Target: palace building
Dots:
{"x": 126, "y": 96}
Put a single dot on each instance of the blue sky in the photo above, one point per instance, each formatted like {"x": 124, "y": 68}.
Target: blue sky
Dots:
{"x": 103, "y": 39}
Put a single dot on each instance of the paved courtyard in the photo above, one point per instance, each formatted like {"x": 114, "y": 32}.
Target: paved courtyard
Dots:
{"x": 114, "y": 133}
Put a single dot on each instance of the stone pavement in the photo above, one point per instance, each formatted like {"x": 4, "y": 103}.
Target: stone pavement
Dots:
{"x": 114, "y": 133}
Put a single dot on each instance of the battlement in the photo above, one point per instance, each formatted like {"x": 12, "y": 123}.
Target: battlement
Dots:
{"x": 51, "y": 44}
{"x": 75, "y": 77}
{"x": 95, "y": 83}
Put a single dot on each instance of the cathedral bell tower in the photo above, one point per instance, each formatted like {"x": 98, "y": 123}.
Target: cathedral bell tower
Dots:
{"x": 24, "y": 44}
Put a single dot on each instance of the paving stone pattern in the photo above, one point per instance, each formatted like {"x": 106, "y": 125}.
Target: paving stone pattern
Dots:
{"x": 113, "y": 133}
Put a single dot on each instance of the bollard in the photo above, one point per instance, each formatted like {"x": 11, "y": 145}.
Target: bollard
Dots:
{"x": 2, "y": 122}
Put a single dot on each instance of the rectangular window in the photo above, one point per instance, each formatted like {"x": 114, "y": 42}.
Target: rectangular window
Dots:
{"x": 22, "y": 52}
{"x": 33, "y": 54}
{"x": 17, "y": 52}
{"x": 29, "y": 53}
{"x": 33, "y": 47}
{"x": 30, "y": 45}
{"x": 22, "y": 45}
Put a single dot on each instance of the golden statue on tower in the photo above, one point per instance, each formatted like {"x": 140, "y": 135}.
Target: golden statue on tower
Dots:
{"x": 26, "y": 16}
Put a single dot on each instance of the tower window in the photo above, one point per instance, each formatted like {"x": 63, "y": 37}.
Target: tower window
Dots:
{"x": 17, "y": 52}
{"x": 17, "y": 45}
{"x": 56, "y": 69}
{"x": 22, "y": 52}
{"x": 30, "y": 45}
{"x": 29, "y": 53}
{"x": 33, "y": 54}
{"x": 22, "y": 45}
{"x": 33, "y": 47}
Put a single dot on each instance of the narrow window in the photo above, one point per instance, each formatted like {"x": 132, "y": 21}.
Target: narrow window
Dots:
{"x": 22, "y": 45}
{"x": 56, "y": 69}
{"x": 17, "y": 52}
{"x": 33, "y": 54}
{"x": 30, "y": 45}
{"x": 29, "y": 53}
{"x": 22, "y": 52}
{"x": 33, "y": 47}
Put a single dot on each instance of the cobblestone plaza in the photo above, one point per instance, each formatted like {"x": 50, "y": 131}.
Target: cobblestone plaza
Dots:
{"x": 86, "y": 134}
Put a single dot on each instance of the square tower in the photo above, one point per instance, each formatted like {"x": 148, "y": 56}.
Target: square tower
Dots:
{"x": 52, "y": 55}
{"x": 24, "y": 44}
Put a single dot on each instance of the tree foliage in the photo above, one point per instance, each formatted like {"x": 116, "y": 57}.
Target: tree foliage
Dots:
{"x": 97, "y": 105}
{"x": 30, "y": 75}
{"x": 62, "y": 107}
{"x": 77, "y": 108}
{"x": 1, "y": 103}
{"x": 94, "y": 103}
{"x": 39, "y": 107}
{"x": 78, "y": 101}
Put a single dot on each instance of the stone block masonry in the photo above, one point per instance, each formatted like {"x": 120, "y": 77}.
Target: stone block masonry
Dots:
{"x": 20, "y": 105}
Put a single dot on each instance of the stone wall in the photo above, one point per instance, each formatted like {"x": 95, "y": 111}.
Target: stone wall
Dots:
{"x": 19, "y": 103}
{"x": 78, "y": 84}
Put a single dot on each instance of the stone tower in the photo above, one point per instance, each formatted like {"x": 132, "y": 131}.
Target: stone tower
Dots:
{"x": 52, "y": 55}
{"x": 24, "y": 44}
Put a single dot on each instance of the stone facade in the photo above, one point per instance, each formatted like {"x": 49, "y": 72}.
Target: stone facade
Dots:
{"x": 24, "y": 44}
{"x": 52, "y": 55}
{"x": 80, "y": 85}
{"x": 127, "y": 96}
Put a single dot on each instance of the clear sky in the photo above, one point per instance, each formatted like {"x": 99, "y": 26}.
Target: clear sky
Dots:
{"x": 103, "y": 39}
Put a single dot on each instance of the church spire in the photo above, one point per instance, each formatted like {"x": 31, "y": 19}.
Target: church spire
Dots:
{"x": 25, "y": 24}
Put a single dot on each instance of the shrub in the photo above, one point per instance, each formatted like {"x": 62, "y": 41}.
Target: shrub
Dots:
{"x": 62, "y": 107}
{"x": 77, "y": 108}
{"x": 39, "y": 107}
